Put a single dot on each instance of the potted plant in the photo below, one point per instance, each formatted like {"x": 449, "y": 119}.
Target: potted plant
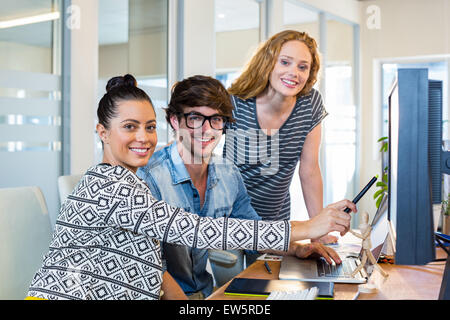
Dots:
{"x": 383, "y": 184}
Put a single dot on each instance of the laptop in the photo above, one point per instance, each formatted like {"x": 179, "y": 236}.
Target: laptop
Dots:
{"x": 293, "y": 268}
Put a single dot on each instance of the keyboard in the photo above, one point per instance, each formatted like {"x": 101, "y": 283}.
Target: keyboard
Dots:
{"x": 306, "y": 294}
{"x": 343, "y": 270}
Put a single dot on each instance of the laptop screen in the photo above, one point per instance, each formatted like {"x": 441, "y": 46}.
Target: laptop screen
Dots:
{"x": 380, "y": 229}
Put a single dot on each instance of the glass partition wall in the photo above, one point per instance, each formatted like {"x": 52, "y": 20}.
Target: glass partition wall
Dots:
{"x": 237, "y": 24}
{"x": 237, "y": 27}
{"x": 133, "y": 39}
{"x": 30, "y": 97}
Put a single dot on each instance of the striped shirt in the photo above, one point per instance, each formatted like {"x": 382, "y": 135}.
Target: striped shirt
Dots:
{"x": 267, "y": 163}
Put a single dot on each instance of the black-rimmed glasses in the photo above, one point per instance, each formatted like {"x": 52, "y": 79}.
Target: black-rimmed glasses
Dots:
{"x": 195, "y": 120}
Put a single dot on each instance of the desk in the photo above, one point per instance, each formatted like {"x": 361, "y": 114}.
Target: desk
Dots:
{"x": 403, "y": 283}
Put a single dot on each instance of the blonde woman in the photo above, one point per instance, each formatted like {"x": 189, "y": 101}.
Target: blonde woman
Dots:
{"x": 277, "y": 106}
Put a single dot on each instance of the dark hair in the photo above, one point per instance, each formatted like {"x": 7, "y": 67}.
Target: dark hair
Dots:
{"x": 198, "y": 91}
{"x": 118, "y": 89}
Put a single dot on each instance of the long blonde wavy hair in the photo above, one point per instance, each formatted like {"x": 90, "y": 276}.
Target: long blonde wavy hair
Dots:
{"x": 255, "y": 77}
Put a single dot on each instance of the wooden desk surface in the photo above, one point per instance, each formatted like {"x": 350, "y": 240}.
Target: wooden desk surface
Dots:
{"x": 403, "y": 283}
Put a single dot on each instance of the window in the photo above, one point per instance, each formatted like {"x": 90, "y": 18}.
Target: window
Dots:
{"x": 133, "y": 39}
{"x": 339, "y": 134}
{"x": 340, "y": 126}
{"x": 437, "y": 70}
{"x": 237, "y": 38}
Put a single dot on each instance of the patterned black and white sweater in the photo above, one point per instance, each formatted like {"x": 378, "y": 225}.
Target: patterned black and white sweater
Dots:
{"x": 106, "y": 242}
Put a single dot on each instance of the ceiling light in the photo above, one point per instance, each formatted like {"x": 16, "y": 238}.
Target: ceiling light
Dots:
{"x": 221, "y": 15}
{"x": 29, "y": 20}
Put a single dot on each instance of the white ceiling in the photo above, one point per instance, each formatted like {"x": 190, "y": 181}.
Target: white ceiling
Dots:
{"x": 20, "y": 8}
{"x": 38, "y": 34}
{"x": 294, "y": 14}
{"x": 115, "y": 26}
{"x": 236, "y": 15}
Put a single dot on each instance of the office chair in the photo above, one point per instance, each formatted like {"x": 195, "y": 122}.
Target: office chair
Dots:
{"x": 25, "y": 235}
{"x": 225, "y": 264}
{"x": 66, "y": 184}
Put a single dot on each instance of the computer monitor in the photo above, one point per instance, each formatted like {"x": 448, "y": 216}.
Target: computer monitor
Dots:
{"x": 410, "y": 197}
{"x": 416, "y": 165}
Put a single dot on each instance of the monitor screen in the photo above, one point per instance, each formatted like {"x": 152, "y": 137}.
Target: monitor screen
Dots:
{"x": 393, "y": 156}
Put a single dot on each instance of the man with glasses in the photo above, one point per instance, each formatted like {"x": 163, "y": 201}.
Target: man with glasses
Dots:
{"x": 187, "y": 175}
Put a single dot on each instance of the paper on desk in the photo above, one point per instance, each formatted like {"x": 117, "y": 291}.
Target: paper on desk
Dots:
{"x": 348, "y": 244}
{"x": 269, "y": 257}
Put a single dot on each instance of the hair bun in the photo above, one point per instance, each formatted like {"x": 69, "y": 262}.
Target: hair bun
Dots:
{"x": 126, "y": 80}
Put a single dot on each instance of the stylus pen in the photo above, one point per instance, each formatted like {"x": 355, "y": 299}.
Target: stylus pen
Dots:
{"x": 363, "y": 191}
{"x": 267, "y": 267}
{"x": 355, "y": 297}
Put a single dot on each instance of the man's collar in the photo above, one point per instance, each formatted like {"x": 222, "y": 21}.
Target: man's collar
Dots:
{"x": 178, "y": 170}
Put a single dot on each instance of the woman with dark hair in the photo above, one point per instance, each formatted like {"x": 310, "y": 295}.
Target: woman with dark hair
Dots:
{"x": 106, "y": 241}
{"x": 274, "y": 100}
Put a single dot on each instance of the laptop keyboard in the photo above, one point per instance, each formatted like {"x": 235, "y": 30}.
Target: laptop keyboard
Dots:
{"x": 343, "y": 270}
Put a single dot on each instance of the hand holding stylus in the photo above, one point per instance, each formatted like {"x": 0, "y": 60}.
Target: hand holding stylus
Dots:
{"x": 332, "y": 218}
{"x": 363, "y": 191}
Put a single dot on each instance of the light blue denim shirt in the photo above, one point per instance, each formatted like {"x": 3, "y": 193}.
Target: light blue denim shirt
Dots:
{"x": 225, "y": 195}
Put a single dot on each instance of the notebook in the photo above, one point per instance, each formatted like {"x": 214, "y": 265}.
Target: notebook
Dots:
{"x": 264, "y": 287}
{"x": 319, "y": 270}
